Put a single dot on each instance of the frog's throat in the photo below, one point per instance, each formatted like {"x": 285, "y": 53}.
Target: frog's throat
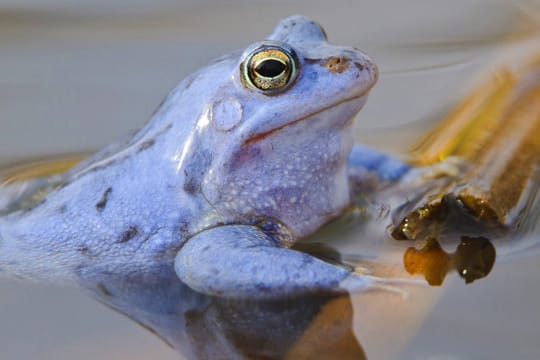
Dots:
{"x": 259, "y": 136}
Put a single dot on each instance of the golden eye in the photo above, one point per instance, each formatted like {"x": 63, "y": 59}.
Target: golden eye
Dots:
{"x": 269, "y": 68}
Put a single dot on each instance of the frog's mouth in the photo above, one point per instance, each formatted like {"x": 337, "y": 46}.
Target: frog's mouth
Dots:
{"x": 361, "y": 99}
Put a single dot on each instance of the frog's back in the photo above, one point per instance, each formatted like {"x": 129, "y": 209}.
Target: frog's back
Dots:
{"x": 132, "y": 204}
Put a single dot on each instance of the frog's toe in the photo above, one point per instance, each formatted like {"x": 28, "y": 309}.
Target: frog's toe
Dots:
{"x": 355, "y": 283}
{"x": 450, "y": 168}
{"x": 392, "y": 169}
{"x": 386, "y": 168}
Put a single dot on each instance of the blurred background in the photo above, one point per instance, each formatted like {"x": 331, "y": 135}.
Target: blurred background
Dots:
{"x": 76, "y": 75}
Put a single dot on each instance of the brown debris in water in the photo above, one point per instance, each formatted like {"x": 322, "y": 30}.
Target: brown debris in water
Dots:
{"x": 496, "y": 130}
{"x": 431, "y": 261}
{"x": 474, "y": 258}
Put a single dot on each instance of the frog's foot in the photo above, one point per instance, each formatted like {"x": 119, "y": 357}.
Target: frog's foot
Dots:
{"x": 241, "y": 261}
{"x": 355, "y": 283}
{"x": 369, "y": 168}
{"x": 449, "y": 169}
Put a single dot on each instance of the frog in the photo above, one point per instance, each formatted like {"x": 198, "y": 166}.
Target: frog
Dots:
{"x": 245, "y": 157}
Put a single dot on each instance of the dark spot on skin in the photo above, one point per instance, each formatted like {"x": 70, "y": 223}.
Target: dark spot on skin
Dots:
{"x": 103, "y": 290}
{"x": 359, "y": 66}
{"x": 336, "y": 64}
{"x": 191, "y": 187}
{"x": 83, "y": 250}
{"x": 183, "y": 229}
{"x": 145, "y": 145}
{"x": 129, "y": 234}
{"x": 62, "y": 209}
{"x": 100, "y": 205}
{"x": 199, "y": 161}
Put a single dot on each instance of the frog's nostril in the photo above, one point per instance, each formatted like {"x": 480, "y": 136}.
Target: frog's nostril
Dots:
{"x": 360, "y": 66}
{"x": 366, "y": 67}
{"x": 374, "y": 71}
{"x": 336, "y": 64}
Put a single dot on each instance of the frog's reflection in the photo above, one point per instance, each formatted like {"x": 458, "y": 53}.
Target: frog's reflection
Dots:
{"x": 203, "y": 327}
{"x": 473, "y": 259}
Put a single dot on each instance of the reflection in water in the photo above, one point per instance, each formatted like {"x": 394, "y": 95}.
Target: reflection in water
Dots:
{"x": 204, "y": 327}
{"x": 473, "y": 259}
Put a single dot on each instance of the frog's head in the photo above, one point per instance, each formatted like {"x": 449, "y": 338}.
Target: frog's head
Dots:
{"x": 277, "y": 129}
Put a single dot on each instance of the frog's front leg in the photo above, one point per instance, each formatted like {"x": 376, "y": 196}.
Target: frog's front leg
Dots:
{"x": 369, "y": 170}
{"x": 367, "y": 163}
{"x": 241, "y": 261}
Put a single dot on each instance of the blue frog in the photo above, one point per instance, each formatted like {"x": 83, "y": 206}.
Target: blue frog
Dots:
{"x": 243, "y": 158}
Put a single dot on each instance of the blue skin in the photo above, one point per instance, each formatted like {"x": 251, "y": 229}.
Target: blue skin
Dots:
{"x": 216, "y": 187}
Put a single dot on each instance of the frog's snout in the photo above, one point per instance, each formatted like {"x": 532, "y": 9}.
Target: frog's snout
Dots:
{"x": 371, "y": 68}
{"x": 366, "y": 69}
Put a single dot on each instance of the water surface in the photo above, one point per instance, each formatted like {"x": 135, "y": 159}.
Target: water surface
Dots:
{"x": 75, "y": 76}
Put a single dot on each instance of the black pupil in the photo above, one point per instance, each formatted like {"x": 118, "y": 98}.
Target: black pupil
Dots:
{"x": 270, "y": 68}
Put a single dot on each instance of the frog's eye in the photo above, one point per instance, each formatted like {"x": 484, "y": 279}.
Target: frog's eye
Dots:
{"x": 269, "y": 68}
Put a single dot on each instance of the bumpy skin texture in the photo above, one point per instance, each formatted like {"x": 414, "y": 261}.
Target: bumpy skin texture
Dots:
{"x": 214, "y": 189}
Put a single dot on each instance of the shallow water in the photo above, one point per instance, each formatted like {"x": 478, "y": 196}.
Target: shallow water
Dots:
{"x": 75, "y": 76}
